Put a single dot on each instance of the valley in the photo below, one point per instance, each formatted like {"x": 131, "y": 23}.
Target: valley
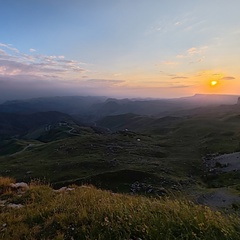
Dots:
{"x": 128, "y": 153}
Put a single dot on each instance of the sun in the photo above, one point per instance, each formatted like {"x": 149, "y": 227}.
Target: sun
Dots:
{"x": 214, "y": 83}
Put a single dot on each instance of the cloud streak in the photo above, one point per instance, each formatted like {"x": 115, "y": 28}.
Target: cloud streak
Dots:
{"x": 179, "y": 77}
{"x": 228, "y": 78}
{"x": 180, "y": 86}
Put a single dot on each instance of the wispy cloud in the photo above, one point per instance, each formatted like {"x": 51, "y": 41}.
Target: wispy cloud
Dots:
{"x": 181, "y": 86}
{"x": 179, "y": 77}
{"x": 9, "y": 47}
{"x": 193, "y": 55}
{"x": 13, "y": 62}
{"x": 195, "y": 50}
{"x": 169, "y": 24}
{"x": 228, "y": 78}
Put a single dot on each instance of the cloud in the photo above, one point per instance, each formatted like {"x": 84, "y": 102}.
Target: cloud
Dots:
{"x": 9, "y": 47}
{"x": 179, "y": 77}
{"x": 181, "y": 86}
{"x": 2, "y": 52}
{"x": 13, "y": 62}
{"x": 228, "y": 78}
{"x": 197, "y": 60}
{"x": 194, "y": 51}
{"x": 32, "y": 74}
{"x": 104, "y": 82}
{"x": 32, "y": 86}
{"x": 170, "y": 63}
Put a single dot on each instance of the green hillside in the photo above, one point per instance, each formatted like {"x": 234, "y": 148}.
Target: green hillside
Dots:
{"x": 170, "y": 159}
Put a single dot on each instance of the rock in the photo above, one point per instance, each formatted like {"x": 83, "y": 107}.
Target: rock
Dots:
{"x": 64, "y": 189}
{"x": 13, "y": 205}
{"x": 19, "y": 185}
{"x": 2, "y": 203}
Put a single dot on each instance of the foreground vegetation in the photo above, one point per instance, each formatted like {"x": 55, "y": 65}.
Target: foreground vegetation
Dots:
{"x": 88, "y": 213}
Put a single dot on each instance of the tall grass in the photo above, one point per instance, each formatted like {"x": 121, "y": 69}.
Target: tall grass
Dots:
{"x": 89, "y": 213}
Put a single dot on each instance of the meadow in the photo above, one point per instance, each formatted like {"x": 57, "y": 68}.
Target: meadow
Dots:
{"x": 84, "y": 212}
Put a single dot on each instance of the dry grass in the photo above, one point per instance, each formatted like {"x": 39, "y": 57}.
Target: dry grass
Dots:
{"x": 6, "y": 181}
{"x": 89, "y": 213}
{"x": 5, "y": 184}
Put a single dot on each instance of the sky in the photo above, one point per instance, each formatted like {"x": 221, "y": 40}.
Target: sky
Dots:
{"x": 119, "y": 48}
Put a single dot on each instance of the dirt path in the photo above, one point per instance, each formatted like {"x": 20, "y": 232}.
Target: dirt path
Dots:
{"x": 25, "y": 148}
{"x": 73, "y": 133}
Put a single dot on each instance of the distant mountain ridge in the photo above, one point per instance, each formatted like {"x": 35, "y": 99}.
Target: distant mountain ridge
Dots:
{"x": 69, "y": 105}
{"x": 204, "y": 99}
{"x": 99, "y": 107}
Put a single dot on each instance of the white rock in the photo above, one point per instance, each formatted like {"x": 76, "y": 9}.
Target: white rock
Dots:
{"x": 19, "y": 185}
{"x": 2, "y": 203}
{"x": 64, "y": 189}
{"x": 13, "y": 205}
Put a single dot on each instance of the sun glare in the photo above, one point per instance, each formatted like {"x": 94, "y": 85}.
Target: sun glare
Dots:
{"x": 214, "y": 83}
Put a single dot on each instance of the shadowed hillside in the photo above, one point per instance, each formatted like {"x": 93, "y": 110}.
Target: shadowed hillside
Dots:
{"x": 17, "y": 124}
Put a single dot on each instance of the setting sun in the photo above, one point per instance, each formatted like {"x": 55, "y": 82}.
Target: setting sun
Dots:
{"x": 214, "y": 83}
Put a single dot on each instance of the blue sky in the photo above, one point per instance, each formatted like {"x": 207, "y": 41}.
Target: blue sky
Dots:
{"x": 124, "y": 48}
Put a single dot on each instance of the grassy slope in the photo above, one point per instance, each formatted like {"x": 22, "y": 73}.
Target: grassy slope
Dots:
{"x": 172, "y": 160}
{"x": 102, "y": 159}
{"x": 88, "y": 213}
{"x": 88, "y": 155}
